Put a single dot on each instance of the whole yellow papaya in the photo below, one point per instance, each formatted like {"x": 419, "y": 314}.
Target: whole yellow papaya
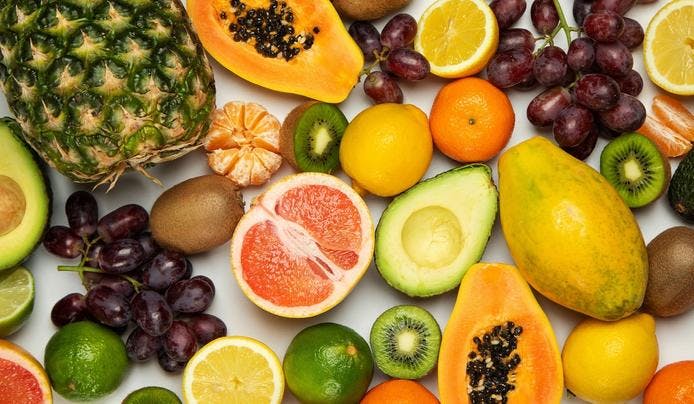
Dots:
{"x": 569, "y": 232}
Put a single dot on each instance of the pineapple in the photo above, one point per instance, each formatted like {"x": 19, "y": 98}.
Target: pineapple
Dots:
{"x": 102, "y": 85}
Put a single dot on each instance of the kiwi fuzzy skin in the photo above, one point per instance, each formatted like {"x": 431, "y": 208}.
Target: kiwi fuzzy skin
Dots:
{"x": 287, "y": 132}
{"x": 670, "y": 289}
{"x": 367, "y": 10}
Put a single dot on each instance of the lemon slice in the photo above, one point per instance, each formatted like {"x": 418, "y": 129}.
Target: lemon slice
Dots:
{"x": 668, "y": 47}
{"x": 233, "y": 370}
{"x": 458, "y": 37}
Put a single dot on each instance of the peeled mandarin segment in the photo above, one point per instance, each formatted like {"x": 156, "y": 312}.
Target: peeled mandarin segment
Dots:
{"x": 667, "y": 140}
{"x": 675, "y": 115}
{"x": 244, "y": 143}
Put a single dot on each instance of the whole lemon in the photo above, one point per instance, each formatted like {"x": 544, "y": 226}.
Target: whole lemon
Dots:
{"x": 609, "y": 362}
{"x": 386, "y": 148}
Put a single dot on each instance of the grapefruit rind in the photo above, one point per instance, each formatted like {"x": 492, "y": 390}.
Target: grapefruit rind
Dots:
{"x": 342, "y": 287}
{"x": 16, "y": 354}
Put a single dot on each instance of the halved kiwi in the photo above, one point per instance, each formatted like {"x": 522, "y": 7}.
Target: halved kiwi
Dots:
{"x": 405, "y": 341}
{"x": 310, "y": 137}
{"x": 636, "y": 168}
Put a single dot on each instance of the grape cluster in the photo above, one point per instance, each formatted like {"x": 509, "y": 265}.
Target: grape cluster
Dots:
{"x": 591, "y": 88}
{"x": 392, "y": 50}
{"x": 129, "y": 279}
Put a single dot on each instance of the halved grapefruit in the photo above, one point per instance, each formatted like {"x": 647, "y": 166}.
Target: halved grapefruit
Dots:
{"x": 303, "y": 245}
{"x": 22, "y": 378}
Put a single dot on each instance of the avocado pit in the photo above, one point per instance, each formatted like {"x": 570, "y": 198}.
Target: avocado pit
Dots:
{"x": 432, "y": 237}
{"x": 12, "y": 205}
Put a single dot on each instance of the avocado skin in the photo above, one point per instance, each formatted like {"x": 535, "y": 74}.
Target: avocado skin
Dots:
{"x": 47, "y": 189}
{"x": 681, "y": 191}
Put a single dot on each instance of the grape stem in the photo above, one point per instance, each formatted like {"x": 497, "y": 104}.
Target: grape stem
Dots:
{"x": 562, "y": 22}
{"x": 82, "y": 269}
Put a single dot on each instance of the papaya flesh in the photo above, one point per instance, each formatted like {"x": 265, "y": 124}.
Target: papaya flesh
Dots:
{"x": 300, "y": 47}
{"x": 497, "y": 324}
{"x": 569, "y": 232}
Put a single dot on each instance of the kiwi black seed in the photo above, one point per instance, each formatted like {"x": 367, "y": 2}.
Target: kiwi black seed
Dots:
{"x": 310, "y": 137}
{"x": 636, "y": 168}
{"x": 405, "y": 341}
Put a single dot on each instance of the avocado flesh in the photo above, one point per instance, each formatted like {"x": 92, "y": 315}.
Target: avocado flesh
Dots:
{"x": 431, "y": 234}
{"x": 24, "y": 198}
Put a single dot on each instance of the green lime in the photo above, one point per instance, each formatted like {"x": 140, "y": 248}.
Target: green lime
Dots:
{"x": 328, "y": 364}
{"x": 85, "y": 361}
{"x": 152, "y": 395}
{"x": 16, "y": 299}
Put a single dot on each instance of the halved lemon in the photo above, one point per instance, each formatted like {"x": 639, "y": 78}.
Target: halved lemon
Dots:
{"x": 458, "y": 37}
{"x": 233, "y": 370}
{"x": 668, "y": 47}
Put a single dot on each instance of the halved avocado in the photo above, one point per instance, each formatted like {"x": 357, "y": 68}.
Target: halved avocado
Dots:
{"x": 25, "y": 197}
{"x": 431, "y": 234}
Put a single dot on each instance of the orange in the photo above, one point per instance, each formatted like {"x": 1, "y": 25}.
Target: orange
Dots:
{"x": 243, "y": 143}
{"x": 675, "y": 115}
{"x": 673, "y": 384}
{"x": 471, "y": 120}
{"x": 399, "y": 391}
{"x": 22, "y": 378}
{"x": 670, "y": 143}
{"x": 303, "y": 245}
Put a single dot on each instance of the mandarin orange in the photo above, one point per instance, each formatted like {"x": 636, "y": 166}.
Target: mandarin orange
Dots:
{"x": 399, "y": 391}
{"x": 471, "y": 120}
{"x": 673, "y": 384}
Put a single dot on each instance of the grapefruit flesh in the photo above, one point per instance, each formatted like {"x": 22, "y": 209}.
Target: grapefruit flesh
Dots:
{"x": 303, "y": 245}
{"x": 18, "y": 385}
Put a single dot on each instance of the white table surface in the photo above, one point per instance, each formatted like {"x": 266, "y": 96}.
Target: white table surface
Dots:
{"x": 372, "y": 295}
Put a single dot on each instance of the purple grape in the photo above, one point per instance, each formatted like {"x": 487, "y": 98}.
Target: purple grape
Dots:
{"x": 627, "y": 116}
{"x": 585, "y": 148}
{"x": 82, "y": 213}
{"x": 207, "y": 327}
{"x": 509, "y": 68}
{"x": 568, "y": 78}
{"x": 164, "y": 270}
{"x": 545, "y": 107}
{"x": 141, "y": 346}
{"x": 507, "y": 12}
{"x": 515, "y": 38}
{"x": 581, "y": 55}
{"x": 631, "y": 84}
{"x": 149, "y": 246}
{"x": 632, "y": 35}
{"x": 581, "y": 8}
{"x": 603, "y": 26}
{"x": 69, "y": 309}
{"x": 124, "y": 222}
{"x": 168, "y": 364}
{"x": 119, "y": 284}
{"x": 382, "y": 88}
{"x": 190, "y": 296}
{"x": 189, "y": 270}
{"x": 603, "y": 131}
{"x": 572, "y": 126}
{"x": 618, "y": 6}
{"x": 399, "y": 32}
{"x": 544, "y": 16}
{"x": 206, "y": 279}
{"x": 179, "y": 342}
{"x": 63, "y": 242}
{"x": 121, "y": 256}
{"x": 151, "y": 312}
{"x": 407, "y": 64}
{"x": 529, "y": 84}
{"x": 108, "y": 306}
{"x": 367, "y": 38}
{"x": 597, "y": 92}
{"x": 550, "y": 66}
{"x": 613, "y": 59}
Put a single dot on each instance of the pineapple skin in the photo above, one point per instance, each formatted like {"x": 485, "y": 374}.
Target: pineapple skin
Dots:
{"x": 99, "y": 86}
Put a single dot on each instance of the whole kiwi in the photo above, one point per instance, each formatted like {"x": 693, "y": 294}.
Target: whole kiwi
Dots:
{"x": 196, "y": 215}
{"x": 367, "y": 10}
{"x": 670, "y": 289}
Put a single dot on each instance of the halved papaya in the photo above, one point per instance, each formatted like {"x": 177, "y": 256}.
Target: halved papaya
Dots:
{"x": 292, "y": 46}
{"x": 498, "y": 343}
